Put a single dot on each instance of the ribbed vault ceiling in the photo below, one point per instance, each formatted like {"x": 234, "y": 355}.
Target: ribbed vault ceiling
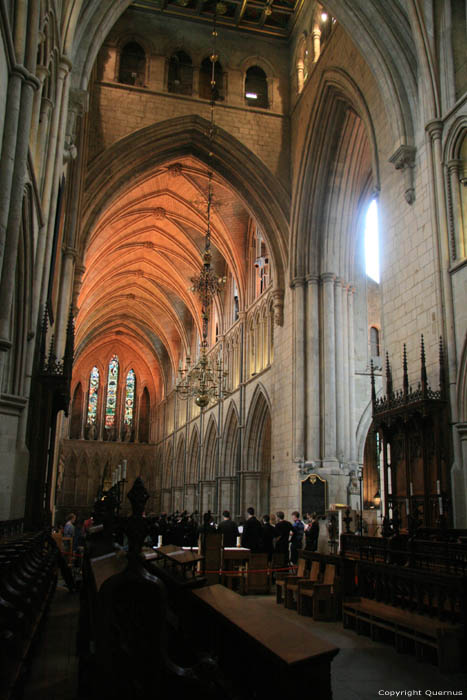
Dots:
{"x": 141, "y": 257}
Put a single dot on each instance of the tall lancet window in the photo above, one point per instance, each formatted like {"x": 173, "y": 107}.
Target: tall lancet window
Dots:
{"x": 93, "y": 393}
{"x": 112, "y": 382}
{"x": 129, "y": 397}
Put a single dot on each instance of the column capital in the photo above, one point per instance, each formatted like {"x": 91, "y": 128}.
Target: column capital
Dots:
{"x": 434, "y": 129}
{"x": 297, "y": 282}
{"x": 312, "y": 279}
{"x": 328, "y": 277}
{"x": 339, "y": 282}
{"x": 69, "y": 252}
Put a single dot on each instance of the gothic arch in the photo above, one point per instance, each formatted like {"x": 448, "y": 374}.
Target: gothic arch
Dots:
{"x": 341, "y": 103}
{"x": 462, "y": 386}
{"x": 168, "y": 466}
{"x": 143, "y": 151}
{"x": 258, "y": 428}
{"x": 208, "y": 470}
{"x": 179, "y": 467}
{"x": 193, "y": 457}
{"x": 230, "y": 443}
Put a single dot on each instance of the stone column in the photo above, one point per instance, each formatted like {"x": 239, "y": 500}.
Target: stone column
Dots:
{"x": 53, "y": 155}
{"x": 351, "y": 365}
{"x": 42, "y": 131}
{"x": 313, "y": 446}
{"x": 345, "y": 361}
{"x": 316, "y": 37}
{"x": 56, "y": 171}
{"x": 7, "y": 162}
{"x": 441, "y": 238}
{"x": 339, "y": 330}
{"x": 458, "y": 249}
{"x": 41, "y": 73}
{"x": 64, "y": 297}
{"x": 10, "y": 251}
{"x": 300, "y": 75}
{"x": 299, "y": 336}
{"x": 328, "y": 401}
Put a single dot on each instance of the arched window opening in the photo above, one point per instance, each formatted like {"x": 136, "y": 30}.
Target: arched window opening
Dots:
{"x": 372, "y": 242}
{"x": 325, "y": 23}
{"x": 76, "y": 413}
{"x": 235, "y": 301}
{"x": 132, "y": 65}
{"x": 205, "y": 76}
{"x": 374, "y": 342}
{"x": 261, "y": 265}
{"x": 112, "y": 383}
{"x": 144, "y": 417}
{"x": 92, "y": 398}
{"x": 256, "y": 87}
{"x": 180, "y": 78}
{"x": 129, "y": 398}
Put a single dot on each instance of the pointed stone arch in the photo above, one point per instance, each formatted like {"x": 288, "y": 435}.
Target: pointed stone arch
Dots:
{"x": 179, "y": 466}
{"x": 141, "y": 152}
{"x": 259, "y": 415}
{"x": 208, "y": 470}
{"x": 342, "y": 104}
{"x": 230, "y": 442}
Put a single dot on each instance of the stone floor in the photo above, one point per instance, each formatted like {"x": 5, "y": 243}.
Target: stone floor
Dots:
{"x": 363, "y": 670}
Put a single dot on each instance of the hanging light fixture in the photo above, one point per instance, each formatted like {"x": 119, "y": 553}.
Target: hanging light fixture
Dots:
{"x": 204, "y": 381}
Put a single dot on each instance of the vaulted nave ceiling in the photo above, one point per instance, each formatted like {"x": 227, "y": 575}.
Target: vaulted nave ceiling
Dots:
{"x": 140, "y": 259}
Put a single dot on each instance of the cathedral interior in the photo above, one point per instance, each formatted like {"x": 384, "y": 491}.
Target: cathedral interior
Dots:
{"x": 186, "y": 188}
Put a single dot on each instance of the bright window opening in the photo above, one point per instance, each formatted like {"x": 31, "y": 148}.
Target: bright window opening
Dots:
{"x": 372, "y": 242}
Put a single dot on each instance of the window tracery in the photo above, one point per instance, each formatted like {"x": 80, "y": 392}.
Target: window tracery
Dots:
{"x": 93, "y": 396}
{"x": 112, "y": 384}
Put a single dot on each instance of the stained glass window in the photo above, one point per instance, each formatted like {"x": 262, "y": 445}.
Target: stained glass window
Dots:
{"x": 93, "y": 391}
{"x": 112, "y": 382}
{"x": 129, "y": 397}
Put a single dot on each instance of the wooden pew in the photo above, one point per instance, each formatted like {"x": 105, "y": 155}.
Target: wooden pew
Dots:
{"x": 27, "y": 582}
{"x": 415, "y": 609}
{"x": 267, "y": 652}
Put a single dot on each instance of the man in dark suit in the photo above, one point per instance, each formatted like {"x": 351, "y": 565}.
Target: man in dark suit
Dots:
{"x": 269, "y": 534}
{"x": 229, "y": 530}
{"x": 252, "y": 537}
{"x": 283, "y": 530}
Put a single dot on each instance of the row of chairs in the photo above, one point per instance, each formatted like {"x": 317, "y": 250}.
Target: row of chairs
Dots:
{"x": 311, "y": 593}
{"x": 28, "y": 566}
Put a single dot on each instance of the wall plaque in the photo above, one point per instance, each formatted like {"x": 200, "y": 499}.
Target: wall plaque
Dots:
{"x": 314, "y": 495}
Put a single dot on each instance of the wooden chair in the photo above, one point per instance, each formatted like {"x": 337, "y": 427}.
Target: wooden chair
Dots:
{"x": 281, "y": 583}
{"x": 319, "y": 597}
{"x": 257, "y": 580}
{"x": 210, "y": 547}
{"x": 294, "y": 583}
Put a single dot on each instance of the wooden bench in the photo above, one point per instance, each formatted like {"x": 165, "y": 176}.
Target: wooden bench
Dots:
{"x": 270, "y": 652}
{"x": 444, "y": 637}
{"x": 416, "y": 609}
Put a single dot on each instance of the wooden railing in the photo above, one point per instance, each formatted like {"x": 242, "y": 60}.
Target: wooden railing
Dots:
{"x": 436, "y": 556}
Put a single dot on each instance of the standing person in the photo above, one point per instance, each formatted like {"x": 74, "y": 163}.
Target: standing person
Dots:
{"x": 69, "y": 529}
{"x": 268, "y": 537}
{"x": 252, "y": 537}
{"x": 296, "y": 543}
{"x": 229, "y": 530}
{"x": 312, "y": 533}
{"x": 282, "y": 531}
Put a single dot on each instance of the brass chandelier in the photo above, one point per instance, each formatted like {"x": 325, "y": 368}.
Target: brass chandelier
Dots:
{"x": 204, "y": 381}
